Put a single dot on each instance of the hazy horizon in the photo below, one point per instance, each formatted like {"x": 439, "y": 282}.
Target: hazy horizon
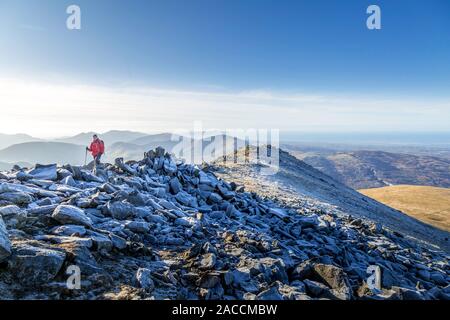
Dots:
{"x": 286, "y": 136}
{"x": 309, "y": 69}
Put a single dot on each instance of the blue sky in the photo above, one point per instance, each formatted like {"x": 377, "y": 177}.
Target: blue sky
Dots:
{"x": 280, "y": 49}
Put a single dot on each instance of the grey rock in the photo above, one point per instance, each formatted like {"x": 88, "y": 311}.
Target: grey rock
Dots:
{"x": 209, "y": 280}
{"x": 120, "y": 210}
{"x": 101, "y": 241}
{"x": 138, "y": 226}
{"x": 118, "y": 242}
{"x": 278, "y": 213}
{"x": 439, "y": 278}
{"x": 206, "y": 179}
{"x": 69, "y": 240}
{"x": 170, "y": 167}
{"x": 225, "y": 192}
{"x": 23, "y": 176}
{"x": 69, "y": 230}
{"x": 186, "y": 199}
{"x": 42, "y": 210}
{"x": 17, "y": 197}
{"x": 299, "y": 286}
{"x": 123, "y": 166}
{"x": 90, "y": 177}
{"x": 215, "y": 198}
{"x": 215, "y": 293}
{"x": 270, "y": 294}
{"x": 175, "y": 185}
{"x": 408, "y": 294}
{"x": 144, "y": 278}
{"x": 174, "y": 241}
{"x": 63, "y": 173}
{"x": 316, "y": 289}
{"x": 153, "y": 218}
{"x": 197, "y": 236}
{"x": 335, "y": 278}
{"x": 310, "y": 221}
{"x": 83, "y": 258}
{"x": 69, "y": 181}
{"x": 67, "y": 214}
{"x": 13, "y": 216}
{"x": 302, "y": 271}
{"x": 168, "y": 205}
{"x": 33, "y": 265}
{"x": 159, "y": 152}
{"x": 424, "y": 274}
{"x": 136, "y": 198}
{"x": 5, "y": 243}
{"x": 208, "y": 261}
{"x": 44, "y": 172}
{"x": 185, "y": 221}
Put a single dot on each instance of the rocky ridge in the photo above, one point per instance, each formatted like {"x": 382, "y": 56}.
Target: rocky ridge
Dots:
{"x": 162, "y": 229}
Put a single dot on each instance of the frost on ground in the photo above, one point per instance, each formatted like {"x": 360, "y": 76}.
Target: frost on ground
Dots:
{"x": 161, "y": 229}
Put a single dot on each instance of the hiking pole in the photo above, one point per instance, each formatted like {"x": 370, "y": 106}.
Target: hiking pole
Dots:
{"x": 85, "y": 157}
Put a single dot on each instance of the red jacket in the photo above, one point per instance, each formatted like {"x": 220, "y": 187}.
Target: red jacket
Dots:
{"x": 97, "y": 147}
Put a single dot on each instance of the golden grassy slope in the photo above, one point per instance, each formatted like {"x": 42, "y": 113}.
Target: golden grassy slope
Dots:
{"x": 428, "y": 204}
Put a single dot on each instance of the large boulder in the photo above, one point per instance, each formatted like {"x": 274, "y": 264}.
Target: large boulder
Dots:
{"x": 69, "y": 231}
{"x": 44, "y": 172}
{"x": 335, "y": 278}
{"x": 67, "y": 214}
{"x": 175, "y": 185}
{"x": 82, "y": 257}
{"x": 138, "y": 226}
{"x": 13, "y": 216}
{"x": 144, "y": 279}
{"x": 17, "y": 197}
{"x": 208, "y": 261}
{"x": 186, "y": 199}
{"x": 5, "y": 244}
{"x": 33, "y": 265}
{"x": 270, "y": 294}
{"x": 120, "y": 210}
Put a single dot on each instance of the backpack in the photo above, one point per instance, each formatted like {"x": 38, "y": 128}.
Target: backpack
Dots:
{"x": 102, "y": 147}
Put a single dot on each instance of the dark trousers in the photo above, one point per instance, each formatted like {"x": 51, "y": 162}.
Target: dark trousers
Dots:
{"x": 97, "y": 159}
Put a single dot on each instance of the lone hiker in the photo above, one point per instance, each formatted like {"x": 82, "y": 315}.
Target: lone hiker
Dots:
{"x": 97, "y": 149}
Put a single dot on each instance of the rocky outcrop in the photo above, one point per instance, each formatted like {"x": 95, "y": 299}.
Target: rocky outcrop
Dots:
{"x": 160, "y": 228}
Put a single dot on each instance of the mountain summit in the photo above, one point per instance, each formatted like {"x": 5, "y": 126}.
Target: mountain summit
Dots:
{"x": 160, "y": 228}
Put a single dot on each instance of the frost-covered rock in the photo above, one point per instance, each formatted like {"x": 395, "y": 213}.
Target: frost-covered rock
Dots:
{"x": 190, "y": 234}
{"x": 35, "y": 265}
{"x": 44, "y": 172}
{"x": 144, "y": 278}
{"x": 13, "y": 216}
{"x": 66, "y": 214}
{"x": 5, "y": 244}
{"x": 16, "y": 197}
{"x": 120, "y": 210}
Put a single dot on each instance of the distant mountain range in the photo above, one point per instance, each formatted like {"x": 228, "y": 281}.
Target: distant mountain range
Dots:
{"x": 372, "y": 169}
{"x": 7, "y": 140}
{"x": 109, "y": 137}
{"x": 44, "y": 153}
{"x": 136, "y": 148}
{"x": 358, "y": 169}
{"x": 124, "y": 144}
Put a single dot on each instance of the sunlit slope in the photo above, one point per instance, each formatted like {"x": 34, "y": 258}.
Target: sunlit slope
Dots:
{"x": 428, "y": 204}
